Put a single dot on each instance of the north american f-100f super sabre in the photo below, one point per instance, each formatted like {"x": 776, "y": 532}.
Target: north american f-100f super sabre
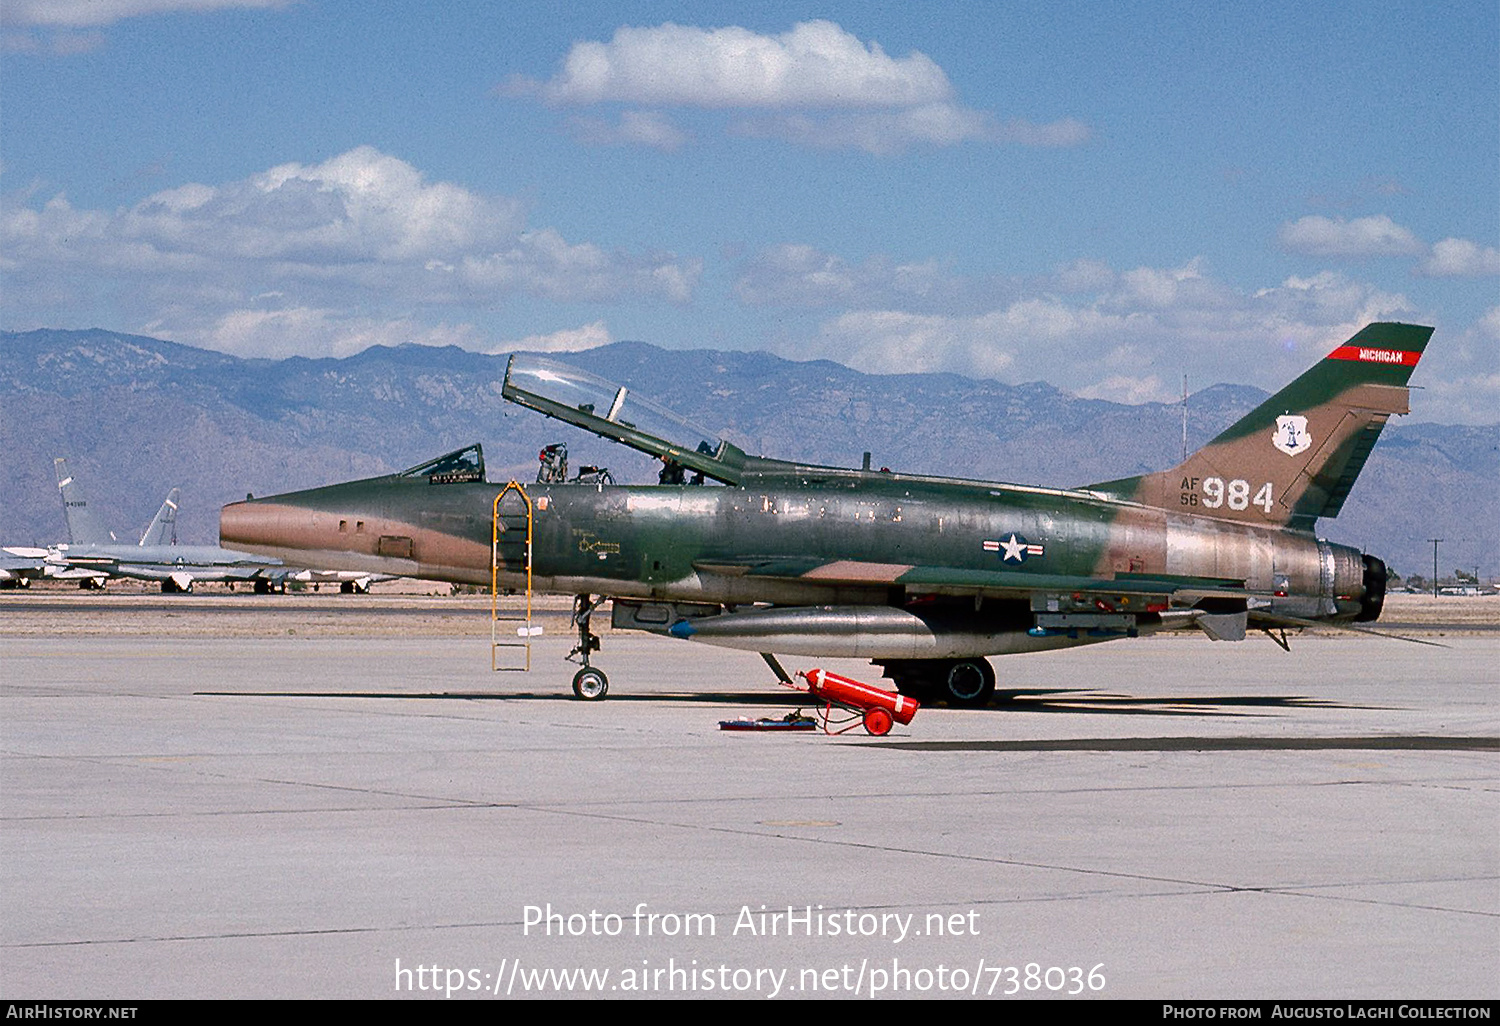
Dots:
{"x": 925, "y": 576}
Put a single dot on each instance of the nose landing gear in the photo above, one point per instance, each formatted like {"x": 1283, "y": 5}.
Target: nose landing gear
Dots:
{"x": 589, "y": 684}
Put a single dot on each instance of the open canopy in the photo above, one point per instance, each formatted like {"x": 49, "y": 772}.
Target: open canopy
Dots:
{"x": 613, "y": 411}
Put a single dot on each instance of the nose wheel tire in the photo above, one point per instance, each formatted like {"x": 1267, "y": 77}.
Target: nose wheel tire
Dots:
{"x": 590, "y": 684}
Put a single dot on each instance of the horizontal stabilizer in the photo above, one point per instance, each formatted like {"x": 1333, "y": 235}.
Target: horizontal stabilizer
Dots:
{"x": 1261, "y": 620}
{"x": 1224, "y": 626}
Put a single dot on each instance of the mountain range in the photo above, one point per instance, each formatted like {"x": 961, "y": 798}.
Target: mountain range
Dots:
{"x": 137, "y": 416}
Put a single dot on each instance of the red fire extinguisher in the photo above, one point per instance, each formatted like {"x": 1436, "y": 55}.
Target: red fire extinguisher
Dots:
{"x": 876, "y": 708}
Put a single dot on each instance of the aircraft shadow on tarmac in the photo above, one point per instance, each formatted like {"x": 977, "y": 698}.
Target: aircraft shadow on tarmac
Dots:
{"x": 1048, "y": 700}
{"x": 1060, "y": 700}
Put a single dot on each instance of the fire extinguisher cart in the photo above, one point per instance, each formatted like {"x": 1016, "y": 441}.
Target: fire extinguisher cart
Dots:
{"x": 876, "y": 709}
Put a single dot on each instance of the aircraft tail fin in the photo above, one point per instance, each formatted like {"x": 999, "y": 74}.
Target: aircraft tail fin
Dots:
{"x": 84, "y": 528}
{"x": 163, "y": 529}
{"x": 1295, "y": 457}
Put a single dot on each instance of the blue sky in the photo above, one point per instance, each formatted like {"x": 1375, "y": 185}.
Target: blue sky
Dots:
{"x": 1105, "y": 196}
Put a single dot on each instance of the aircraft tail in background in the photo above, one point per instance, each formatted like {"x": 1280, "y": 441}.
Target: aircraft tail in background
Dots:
{"x": 84, "y": 528}
{"x": 163, "y": 528}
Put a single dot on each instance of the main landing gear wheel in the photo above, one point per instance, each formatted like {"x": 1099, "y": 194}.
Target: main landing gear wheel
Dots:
{"x": 968, "y": 683}
{"x": 591, "y": 684}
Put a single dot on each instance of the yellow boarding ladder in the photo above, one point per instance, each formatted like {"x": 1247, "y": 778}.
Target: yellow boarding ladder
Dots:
{"x": 510, "y": 549}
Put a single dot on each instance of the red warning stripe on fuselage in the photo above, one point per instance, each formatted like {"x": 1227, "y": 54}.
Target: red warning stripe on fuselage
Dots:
{"x": 1370, "y": 354}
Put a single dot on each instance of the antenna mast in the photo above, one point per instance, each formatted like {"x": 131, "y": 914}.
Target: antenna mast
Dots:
{"x": 1184, "y": 419}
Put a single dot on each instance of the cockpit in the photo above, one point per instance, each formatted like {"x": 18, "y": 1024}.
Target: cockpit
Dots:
{"x": 612, "y": 411}
{"x": 459, "y": 467}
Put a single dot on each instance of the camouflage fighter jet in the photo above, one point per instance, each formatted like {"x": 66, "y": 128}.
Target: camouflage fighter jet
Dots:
{"x": 925, "y": 576}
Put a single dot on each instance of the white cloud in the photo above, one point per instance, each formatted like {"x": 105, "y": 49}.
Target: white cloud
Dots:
{"x": 1155, "y": 288}
{"x": 1054, "y": 134}
{"x": 1089, "y": 328}
{"x": 829, "y": 89}
{"x": 51, "y": 44}
{"x": 816, "y": 64}
{"x": 1379, "y": 236}
{"x": 1084, "y": 275}
{"x": 1121, "y": 388}
{"x": 637, "y": 128}
{"x": 1376, "y": 236}
{"x": 894, "y": 342}
{"x": 361, "y": 235}
{"x": 797, "y": 275}
{"x": 1460, "y": 375}
{"x": 544, "y": 264}
{"x": 1460, "y": 258}
{"x": 894, "y": 131}
{"x": 1471, "y": 399}
{"x": 1328, "y": 298}
{"x": 359, "y": 206}
{"x": 304, "y": 331}
{"x": 81, "y": 13}
{"x": 1489, "y": 324}
{"x": 800, "y": 276}
{"x": 363, "y": 218}
{"x": 568, "y": 340}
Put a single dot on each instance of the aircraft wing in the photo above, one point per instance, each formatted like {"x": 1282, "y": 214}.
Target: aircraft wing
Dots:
{"x": 58, "y": 569}
{"x": 20, "y": 564}
{"x": 1142, "y": 590}
{"x": 181, "y": 574}
{"x": 338, "y": 576}
{"x": 358, "y": 580}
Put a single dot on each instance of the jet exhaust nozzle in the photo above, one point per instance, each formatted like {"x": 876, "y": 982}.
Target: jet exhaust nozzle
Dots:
{"x": 1373, "y": 601}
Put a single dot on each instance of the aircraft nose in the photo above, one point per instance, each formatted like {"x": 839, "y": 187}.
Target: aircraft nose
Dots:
{"x": 249, "y": 524}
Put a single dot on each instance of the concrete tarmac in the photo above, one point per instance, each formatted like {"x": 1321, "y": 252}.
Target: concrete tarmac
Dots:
{"x": 382, "y": 816}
